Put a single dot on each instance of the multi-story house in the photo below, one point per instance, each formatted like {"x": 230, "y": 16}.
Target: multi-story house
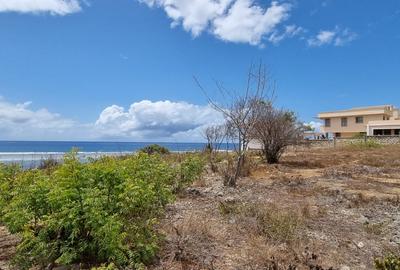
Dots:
{"x": 372, "y": 121}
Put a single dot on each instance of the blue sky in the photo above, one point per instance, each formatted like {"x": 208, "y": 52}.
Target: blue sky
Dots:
{"x": 122, "y": 70}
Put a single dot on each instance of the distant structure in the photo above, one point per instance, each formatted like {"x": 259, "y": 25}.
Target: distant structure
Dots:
{"x": 370, "y": 121}
{"x": 313, "y": 135}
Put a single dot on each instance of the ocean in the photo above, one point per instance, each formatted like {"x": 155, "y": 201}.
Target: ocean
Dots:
{"x": 32, "y": 153}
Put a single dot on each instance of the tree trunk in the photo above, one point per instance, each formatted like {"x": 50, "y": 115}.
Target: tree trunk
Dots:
{"x": 270, "y": 156}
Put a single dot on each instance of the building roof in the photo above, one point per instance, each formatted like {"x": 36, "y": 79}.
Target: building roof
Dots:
{"x": 371, "y": 110}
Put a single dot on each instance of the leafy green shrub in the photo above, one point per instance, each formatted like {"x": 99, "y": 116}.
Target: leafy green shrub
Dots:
{"x": 390, "y": 262}
{"x": 7, "y": 183}
{"x": 360, "y": 135}
{"x": 99, "y": 213}
{"x": 48, "y": 163}
{"x": 190, "y": 169}
{"x": 110, "y": 266}
{"x": 154, "y": 149}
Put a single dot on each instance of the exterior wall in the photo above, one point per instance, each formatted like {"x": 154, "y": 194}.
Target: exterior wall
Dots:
{"x": 254, "y": 145}
{"x": 384, "y": 140}
{"x": 349, "y": 134}
{"x": 338, "y": 142}
{"x": 352, "y": 127}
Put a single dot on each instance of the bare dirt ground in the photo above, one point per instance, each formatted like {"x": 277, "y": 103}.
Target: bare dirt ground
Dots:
{"x": 7, "y": 247}
{"x": 317, "y": 209}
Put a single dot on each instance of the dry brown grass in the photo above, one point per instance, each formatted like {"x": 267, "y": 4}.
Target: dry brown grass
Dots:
{"x": 375, "y": 228}
{"x": 316, "y": 209}
{"x": 260, "y": 255}
{"x": 190, "y": 245}
{"x": 278, "y": 225}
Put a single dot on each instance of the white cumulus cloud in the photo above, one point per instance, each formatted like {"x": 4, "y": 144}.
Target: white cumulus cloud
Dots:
{"x": 21, "y": 122}
{"x": 289, "y": 32}
{"x": 55, "y": 7}
{"x": 336, "y": 37}
{"x": 160, "y": 120}
{"x": 142, "y": 121}
{"x": 247, "y": 23}
{"x": 242, "y": 21}
{"x": 195, "y": 15}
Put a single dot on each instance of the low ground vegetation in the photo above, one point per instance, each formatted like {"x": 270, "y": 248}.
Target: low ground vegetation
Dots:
{"x": 98, "y": 213}
{"x": 316, "y": 209}
{"x": 155, "y": 149}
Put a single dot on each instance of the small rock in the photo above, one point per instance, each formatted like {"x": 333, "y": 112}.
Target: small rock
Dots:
{"x": 207, "y": 190}
{"x": 344, "y": 267}
{"x": 193, "y": 191}
{"x": 230, "y": 200}
{"x": 360, "y": 245}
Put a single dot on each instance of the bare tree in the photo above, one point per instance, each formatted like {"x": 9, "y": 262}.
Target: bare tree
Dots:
{"x": 275, "y": 129}
{"x": 215, "y": 136}
{"x": 240, "y": 113}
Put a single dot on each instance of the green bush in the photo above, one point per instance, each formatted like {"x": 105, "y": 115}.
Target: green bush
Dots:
{"x": 360, "y": 135}
{"x": 390, "y": 262}
{"x": 190, "y": 169}
{"x": 7, "y": 175}
{"x": 49, "y": 163}
{"x": 154, "y": 149}
{"x": 96, "y": 213}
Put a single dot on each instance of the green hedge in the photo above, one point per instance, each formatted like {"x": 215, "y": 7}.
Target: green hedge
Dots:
{"x": 95, "y": 213}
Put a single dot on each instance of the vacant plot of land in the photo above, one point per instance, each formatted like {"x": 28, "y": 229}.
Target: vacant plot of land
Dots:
{"x": 318, "y": 209}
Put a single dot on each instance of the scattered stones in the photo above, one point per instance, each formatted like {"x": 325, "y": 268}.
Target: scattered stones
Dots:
{"x": 360, "y": 244}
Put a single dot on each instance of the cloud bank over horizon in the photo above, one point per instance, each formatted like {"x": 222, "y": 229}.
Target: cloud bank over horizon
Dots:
{"x": 142, "y": 121}
{"x": 156, "y": 120}
{"x": 21, "y": 122}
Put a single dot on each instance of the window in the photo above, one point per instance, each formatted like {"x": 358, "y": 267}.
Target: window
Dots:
{"x": 387, "y": 132}
{"x": 378, "y": 132}
{"x": 338, "y": 135}
{"x": 359, "y": 119}
{"x": 327, "y": 122}
{"x": 397, "y": 132}
{"x": 344, "y": 122}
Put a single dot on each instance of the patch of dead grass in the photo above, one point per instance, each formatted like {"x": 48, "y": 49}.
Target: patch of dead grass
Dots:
{"x": 190, "y": 245}
{"x": 278, "y": 225}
